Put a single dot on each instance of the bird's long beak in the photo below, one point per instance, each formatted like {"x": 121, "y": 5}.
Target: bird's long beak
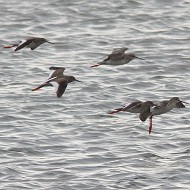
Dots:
{"x": 78, "y": 80}
{"x": 184, "y": 102}
{"x": 50, "y": 42}
{"x": 139, "y": 58}
{"x": 180, "y": 104}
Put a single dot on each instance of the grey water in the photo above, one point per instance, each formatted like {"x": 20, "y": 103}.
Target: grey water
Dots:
{"x": 72, "y": 143}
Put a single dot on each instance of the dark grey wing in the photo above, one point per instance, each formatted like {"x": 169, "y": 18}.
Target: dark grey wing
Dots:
{"x": 55, "y": 68}
{"x": 26, "y": 43}
{"x": 115, "y": 56}
{"x": 61, "y": 88}
{"x": 119, "y": 50}
{"x": 132, "y": 105}
{"x": 56, "y": 73}
{"x": 161, "y": 104}
{"x": 35, "y": 44}
{"x": 144, "y": 115}
{"x": 117, "y": 53}
{"x": 179, "y": 105}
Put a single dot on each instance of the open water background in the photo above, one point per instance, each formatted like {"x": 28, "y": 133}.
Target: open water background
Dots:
{"x": 72, "y": 143}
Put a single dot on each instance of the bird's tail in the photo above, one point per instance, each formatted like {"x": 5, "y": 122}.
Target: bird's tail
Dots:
{"x": 144, "y": 115}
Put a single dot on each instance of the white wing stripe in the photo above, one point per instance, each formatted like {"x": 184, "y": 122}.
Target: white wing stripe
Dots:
{"x": 55, "y": 85}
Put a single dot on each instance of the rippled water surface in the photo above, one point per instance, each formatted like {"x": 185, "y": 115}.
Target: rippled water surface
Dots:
{"x": 72, "y": 143}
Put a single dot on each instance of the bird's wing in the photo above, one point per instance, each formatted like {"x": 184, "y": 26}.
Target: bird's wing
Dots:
{"x": 51, "y": 73}
{"x": 144, "y": 115}
{"x": 132, "y": 105}
{"x": 117, "y": 53}
{"x": 33, "y": 45}
{"x": 55, "y": 68}
{"x": 119, "y": 50}
{"x": 164, "y": 103}
{"x": 59, "y": 88}
{"x": 24, "y": 44}
{"x": 161, "y": 104}
{"x": 50, "y": 80}
{"x": 115, "y": 56}
{"x": 41, "y": 86}
{"x": 46, "y": 83}
{"x": 56, "y": 73}
{"x": 179, "y": 105}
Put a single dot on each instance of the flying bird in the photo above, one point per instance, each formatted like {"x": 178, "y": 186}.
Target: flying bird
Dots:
{"x": 31, "y": 43}
{"x": 56, "y": 72}
{"x": 60, "y": 84}
{"x": 118, "y": 57}
{"x": 161, "y": 108}
{"x": 135, "y": 107}
{"x": 58, "y": 80}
